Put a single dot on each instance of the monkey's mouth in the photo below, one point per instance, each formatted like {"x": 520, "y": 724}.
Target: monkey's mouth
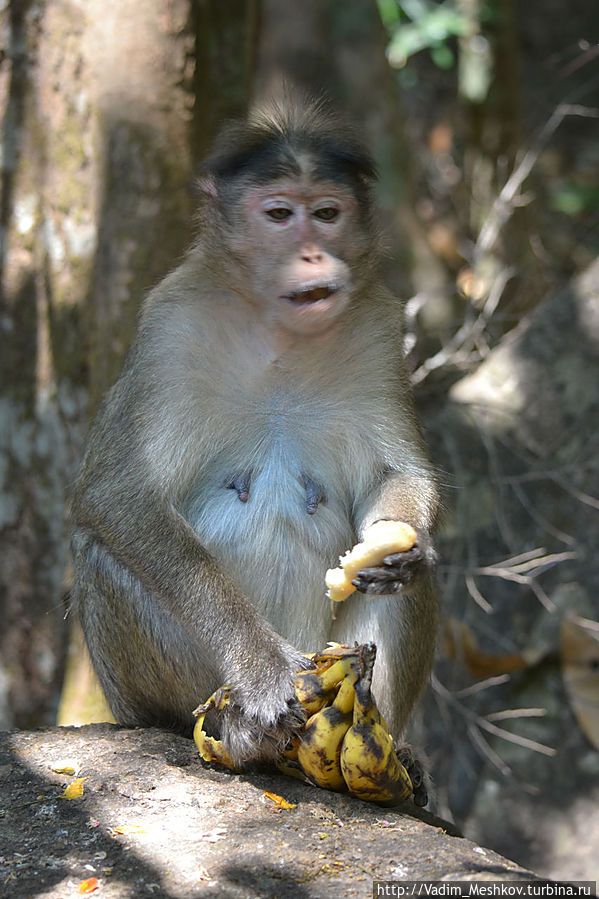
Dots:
{"x": 311, "y": 294}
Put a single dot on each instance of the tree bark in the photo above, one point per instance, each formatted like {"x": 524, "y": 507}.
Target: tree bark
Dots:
{"x": 106, "y": 106}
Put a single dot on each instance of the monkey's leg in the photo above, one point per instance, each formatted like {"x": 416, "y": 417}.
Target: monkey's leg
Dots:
{"x": 155, "y": 670}
{"x": 404, "y": 629}
{"x": 149, "y": 669}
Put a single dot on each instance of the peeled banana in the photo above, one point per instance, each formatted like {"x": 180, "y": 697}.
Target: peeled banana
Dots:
{"x": 378, "y": 540}
{"x": 368, "y": 761}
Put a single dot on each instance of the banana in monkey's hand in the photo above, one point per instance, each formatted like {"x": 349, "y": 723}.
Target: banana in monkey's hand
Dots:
{"x": 345, "y": 744}
{"x": 379, "y": 540}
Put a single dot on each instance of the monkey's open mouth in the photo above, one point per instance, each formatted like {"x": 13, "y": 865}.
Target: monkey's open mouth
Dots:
{"x": 312, "y": 294}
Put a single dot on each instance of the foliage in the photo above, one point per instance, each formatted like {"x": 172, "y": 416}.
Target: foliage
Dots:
{"x": 416, "y": 25}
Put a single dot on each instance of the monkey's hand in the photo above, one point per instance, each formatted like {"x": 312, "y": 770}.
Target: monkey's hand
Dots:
{"x": 398, "y": 570}
{"x": 263, "y": 714}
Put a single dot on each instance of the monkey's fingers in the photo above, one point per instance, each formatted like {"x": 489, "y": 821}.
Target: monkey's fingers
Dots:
{"x": 397, "y": 570}
{"x": 407, "y": 558}
{"x": 378, "y": 584}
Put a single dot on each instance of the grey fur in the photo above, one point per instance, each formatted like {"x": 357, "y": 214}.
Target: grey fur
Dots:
{"x": 180, "y": 586}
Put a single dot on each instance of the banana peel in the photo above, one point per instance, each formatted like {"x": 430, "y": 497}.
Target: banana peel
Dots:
{"x": 210, "y": 749}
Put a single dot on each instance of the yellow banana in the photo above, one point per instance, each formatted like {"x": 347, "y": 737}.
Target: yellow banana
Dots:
{"x": 368, "y": 761}
{"x": 315, "y": 689}
{"x": 211, "y": 749}
{"x": 378, "y": 540}
{"x": 320, "y": 743}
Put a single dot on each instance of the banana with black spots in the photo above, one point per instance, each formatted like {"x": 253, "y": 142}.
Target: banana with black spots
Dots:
{"x": 368, "y": 761}
{"x": 320, "y": 743}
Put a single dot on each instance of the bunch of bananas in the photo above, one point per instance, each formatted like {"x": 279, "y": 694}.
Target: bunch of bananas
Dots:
{"x": 345, "y": 744}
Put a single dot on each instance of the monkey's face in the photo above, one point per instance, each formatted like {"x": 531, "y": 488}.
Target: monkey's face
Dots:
{"x": 301, "y": 242}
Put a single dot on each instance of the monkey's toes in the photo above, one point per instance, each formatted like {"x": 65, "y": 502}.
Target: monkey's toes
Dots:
{"x": 249, "y": 740}
{"x": 417, "y": 772}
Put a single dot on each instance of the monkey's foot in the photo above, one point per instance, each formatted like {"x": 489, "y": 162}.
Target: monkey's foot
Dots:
{"x": 397, "y": 570}
{"x": 417, "y": 772}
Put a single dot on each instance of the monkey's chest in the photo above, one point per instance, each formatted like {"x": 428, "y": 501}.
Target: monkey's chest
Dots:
{"x": 275, "y": 518}
{"x": 242, "y": 500}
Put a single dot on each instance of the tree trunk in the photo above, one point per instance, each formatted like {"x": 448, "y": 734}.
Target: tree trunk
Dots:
{"x": 104, "y": 113}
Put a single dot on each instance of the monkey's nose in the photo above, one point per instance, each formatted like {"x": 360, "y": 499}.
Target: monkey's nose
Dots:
{"x": 311, "y": 254}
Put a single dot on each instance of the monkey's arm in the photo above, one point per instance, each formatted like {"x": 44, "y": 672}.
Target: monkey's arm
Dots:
{"x": 152, "y": 559}
{"x": 402, "y": 496}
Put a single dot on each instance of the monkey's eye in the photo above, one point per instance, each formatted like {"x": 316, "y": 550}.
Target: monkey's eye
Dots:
{"x": 327, "y": 213}
{"x": 279, "y": 213}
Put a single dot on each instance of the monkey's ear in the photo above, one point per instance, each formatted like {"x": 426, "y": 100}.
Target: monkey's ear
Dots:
{"x": 207, "y": 189}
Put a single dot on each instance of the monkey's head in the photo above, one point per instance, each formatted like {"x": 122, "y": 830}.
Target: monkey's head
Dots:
{"x": 289, "y": 213}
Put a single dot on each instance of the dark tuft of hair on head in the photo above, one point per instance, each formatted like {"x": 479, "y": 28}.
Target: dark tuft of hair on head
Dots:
{"x": 275, "y": 140}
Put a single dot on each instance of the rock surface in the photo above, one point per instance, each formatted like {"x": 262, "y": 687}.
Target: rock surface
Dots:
{"x": 194, "y": 831}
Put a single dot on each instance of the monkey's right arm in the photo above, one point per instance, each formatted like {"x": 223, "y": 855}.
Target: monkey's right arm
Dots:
{"x": 164, "y": 623}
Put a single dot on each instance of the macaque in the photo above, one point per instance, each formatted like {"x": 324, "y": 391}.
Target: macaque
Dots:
{"x": 262, "y": 420}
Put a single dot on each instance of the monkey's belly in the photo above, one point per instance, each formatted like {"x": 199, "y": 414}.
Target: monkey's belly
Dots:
{"x": 274, "y": 550}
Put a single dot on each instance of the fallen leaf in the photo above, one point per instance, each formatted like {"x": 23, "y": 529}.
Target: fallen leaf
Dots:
{"x": 278, "y": 800}
{"x": 65, "y": 766}
{"x": 129, "y": 828}
{"x": 89, "y": 885}
{"x": 203, "y": 873}
{"x": 73, "y": 791}
{"x": 461, "y": 645}
{"x": 579, "y": 659}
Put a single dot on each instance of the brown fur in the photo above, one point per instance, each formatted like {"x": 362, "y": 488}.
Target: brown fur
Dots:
{"x": 255, "y": 430}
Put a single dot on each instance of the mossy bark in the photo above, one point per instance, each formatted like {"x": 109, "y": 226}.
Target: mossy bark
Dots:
{"x": 102, "y": 104}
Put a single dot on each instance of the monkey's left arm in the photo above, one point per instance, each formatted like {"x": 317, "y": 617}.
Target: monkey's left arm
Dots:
{"x": 403, "y": 496}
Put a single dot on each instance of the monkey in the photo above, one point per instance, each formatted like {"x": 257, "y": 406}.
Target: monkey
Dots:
{"x": 262, "y": 420}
